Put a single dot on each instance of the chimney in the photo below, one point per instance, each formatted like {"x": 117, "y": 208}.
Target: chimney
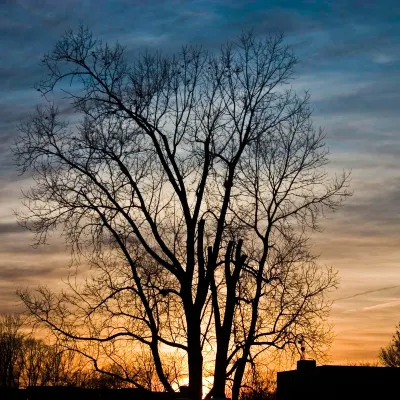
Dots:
{"x": 306, "y": 365}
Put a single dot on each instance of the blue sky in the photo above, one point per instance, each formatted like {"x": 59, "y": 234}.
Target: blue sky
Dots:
{"x": 349, "y": 61}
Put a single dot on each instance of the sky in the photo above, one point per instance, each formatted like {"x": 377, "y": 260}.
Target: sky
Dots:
{"x": 349, "y": 61}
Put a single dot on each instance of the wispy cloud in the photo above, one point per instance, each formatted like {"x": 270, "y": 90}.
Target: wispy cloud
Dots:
{"x": 382, "y": 305}
{"x": 367, "y": 292}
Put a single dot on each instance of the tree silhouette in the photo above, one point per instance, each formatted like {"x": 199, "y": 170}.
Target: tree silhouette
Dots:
{"x": 390, "y": 355}
{"x": 189, "y": 187}
{"x": 11, "y": 342}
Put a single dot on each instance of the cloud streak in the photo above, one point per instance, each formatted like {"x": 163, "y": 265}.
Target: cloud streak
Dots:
{"x": 367, "y": 292}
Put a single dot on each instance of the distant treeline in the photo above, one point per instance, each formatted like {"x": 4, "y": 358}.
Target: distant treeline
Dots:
{"x": 26, "y": 361}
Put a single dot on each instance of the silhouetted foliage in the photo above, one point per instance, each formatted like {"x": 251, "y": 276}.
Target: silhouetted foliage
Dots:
{"x": 189, "y": 187}
{"x": 390, "y": 355}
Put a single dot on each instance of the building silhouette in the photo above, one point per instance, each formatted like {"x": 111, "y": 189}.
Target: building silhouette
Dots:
{"x": 335, "y": 382}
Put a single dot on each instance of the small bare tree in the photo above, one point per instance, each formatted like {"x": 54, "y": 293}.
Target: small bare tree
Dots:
{"x": 189, "y": 186}
{"x": 390, "y": 355}
{"x": 35, "y": 371}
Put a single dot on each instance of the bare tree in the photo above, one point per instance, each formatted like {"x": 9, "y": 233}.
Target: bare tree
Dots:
{"x": 44, "y": 364}
{"x": 189, "y": 187}
{"x": 390, "y": 355}
{"x": 35, "y": 357}
{"x": 11, "y": 341}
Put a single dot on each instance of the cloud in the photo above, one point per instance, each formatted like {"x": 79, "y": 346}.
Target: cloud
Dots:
{"x": 379, "y": 98}
{"x": 382, "y": 305}
{"x": 367, "y": 292}
{"x": 27, "y": 274}
{"x": 6, "y": 228}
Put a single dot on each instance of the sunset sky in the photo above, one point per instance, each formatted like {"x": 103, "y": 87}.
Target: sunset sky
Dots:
{"x": 349, "y": 55}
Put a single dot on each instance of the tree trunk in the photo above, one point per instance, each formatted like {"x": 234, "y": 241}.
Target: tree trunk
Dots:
{"x": 237, "y": 381}
{"x": 195, "y": 357}
{"x": 220, "y": 368}
{"x": 224, "y": 332}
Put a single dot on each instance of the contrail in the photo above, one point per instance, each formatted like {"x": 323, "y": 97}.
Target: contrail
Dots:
{"x": 367, "y": 292}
